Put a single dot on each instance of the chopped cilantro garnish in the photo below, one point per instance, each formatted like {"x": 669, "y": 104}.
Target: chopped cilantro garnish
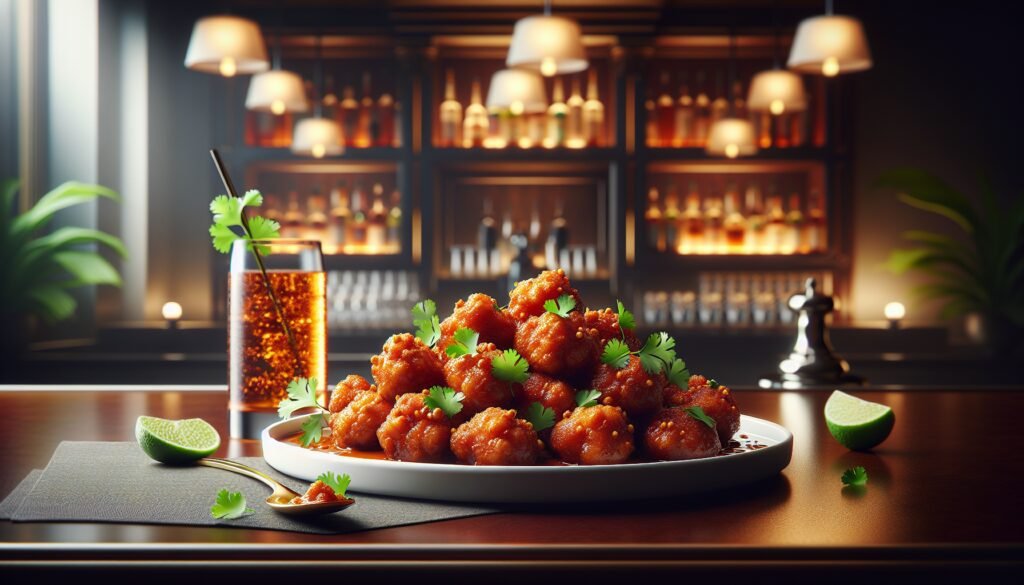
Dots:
{"x": 857, "y": 476}
{"x": 227, "y": 214}
{"x": 657, "y": 353}
{"x": 426, "y": 321}
{"x": 465, "y": 342}
{"x": 626, "y": 320}
{"x": 443, "y": 397}
{"x": 229, "y": 505}
{"x": 561, "y": 307}
{"x": 587, "y": 398}
{"x": 713, "y": 384}
{"x": 510, "y": 366}
{"x": 312, "y": 429}
{"x": 678, "y": 374}
{"x": 301, "y": 394}
{"x": 615, "y": 354}
{"x": 698, "y": 413}
{"x": 338, "y": 483}
{"x": 540, "y": 416}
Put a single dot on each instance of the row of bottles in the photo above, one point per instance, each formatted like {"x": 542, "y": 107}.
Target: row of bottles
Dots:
{"x": 348, "y": 220}
{"x": 365, "y": 122}
{"x": 371, "y": 299}
{"x": 572, "y": 122}
{"x": 681, "y": 117}
{"x": 705, "y": 223}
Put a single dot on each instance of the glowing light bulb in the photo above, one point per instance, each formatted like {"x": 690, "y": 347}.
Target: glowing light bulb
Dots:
{"x": 777, "y": 107}
{"x": 830, "y": 67}
{"x": 516, "y": 108}
{"x": 277, "y": 107}
{"x": 548, "y": 66}
{"x": 228, "y": 67}
{"x": 732, "y": 150}
{"x": 171, "y": 311}
{"x": 895, "y": 311}
{"x": 318, "y": 150}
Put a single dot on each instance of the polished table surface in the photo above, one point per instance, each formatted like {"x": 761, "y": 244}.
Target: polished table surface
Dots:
{"x": 943, "y": 497}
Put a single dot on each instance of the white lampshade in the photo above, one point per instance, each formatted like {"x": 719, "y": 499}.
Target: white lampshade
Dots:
{"x": 518, "y": 91}
{"x": 548, "y": 44}
{"x": 731, "y": 137}
{"x": 777, "y": 91}
{"x": 317, "y": 137}
{"x": 829, "y": 45}
{"x": 226, "y": 45}
{"x": 276, "y": 91}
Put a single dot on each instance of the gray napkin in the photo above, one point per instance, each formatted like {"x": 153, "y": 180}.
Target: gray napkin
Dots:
{"x": 117, "y": 482}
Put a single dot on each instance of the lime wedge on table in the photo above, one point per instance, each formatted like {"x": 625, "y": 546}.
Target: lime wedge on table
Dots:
{"x": 176, "y": 441}
{"x": 857, "y": 424}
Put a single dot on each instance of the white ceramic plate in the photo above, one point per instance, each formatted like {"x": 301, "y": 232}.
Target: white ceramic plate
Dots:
{"x": 534, "y": 484}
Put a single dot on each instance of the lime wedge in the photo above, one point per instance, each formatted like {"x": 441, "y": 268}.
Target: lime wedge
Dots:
{"x": 857, "y": 424}
{"x": 176, "y": 441}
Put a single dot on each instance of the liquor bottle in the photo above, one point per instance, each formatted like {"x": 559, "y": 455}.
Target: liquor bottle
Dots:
{"x": 739, "y": 102}
{"x": 558, "y": 238}
{"x": 330, "y": 99}
{"x": 702, "y": 113}
{"x": 714, "y": 237}
{"x": 764, "y": 129}
{"x": 502, "y": 123}
{"x": 557, "y": 113}
{"x": 282, "y": 130}
{"x": 776, "y": 225}
{"x": 735, "y": 224}
{"x": 355, "y": 239}
{"x": 756, "y": 220}
{"x": 791, "y": 242}
{"x": 783, "y": 124}
{"x": 316, "y": 216}
{"x": 593, "y": 112}
{"x": 474, "y": 127}
{"x": 348, "y": 115}
{"x": 376, "y": 222}
{"x": 535, "y": 225}
{"x": 487, "y": 231}
{"x": 364, "y": 133}
{"x": 650, "y": 124}
{"x": 719, "y": 107}
{"x": 385, "y": 120}
{"x": 272, "y": 207}
{"x": 451, "y": 113}
{"x": 816, "y": 227}
{"x": 574, "y": 120}
{"x": 684, "y": 116}
{"x": 394, "y": 235}
{"x": 536, "y": 130}
{"x": 396, "y": 123}
{"x": 340, "y": 215}
{"x": 653, "y": 217}
{"x": 671, "y": 219}
{"x": 666, "y": 114}
{"x": 293, "y": 225}
{"x": 693, "y": 223}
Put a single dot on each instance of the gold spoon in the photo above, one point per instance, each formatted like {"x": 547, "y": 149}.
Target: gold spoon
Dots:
{"x": 281, "y": 500}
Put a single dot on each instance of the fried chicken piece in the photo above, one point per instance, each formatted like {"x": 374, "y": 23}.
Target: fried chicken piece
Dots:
{"x": 473, "y": 376}
{"x": 355, "y": 426}
{"x": 496, "y": 437}
{"x": 413, "y": 432}
{"x": 318, "y": 492}
{"x": 551, "y": 393}
{"x": 631, "y": 388}
{"x": 673, "y": 395}
{"x": 605, "y": 325}
{"x": 674, "y": 435}
{"x": 595, "y": 435}
{"x": 346, "y": 390}
{"x": 527, "y": 298}
{"x": 405, "y": 365}
{"x": 719, "y": 404}
{"x": 480, "y": 313}
{"x": 561, "y": 347}
{"x": 696, "y": 381}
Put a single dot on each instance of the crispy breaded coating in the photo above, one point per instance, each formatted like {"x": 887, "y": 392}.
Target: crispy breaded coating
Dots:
{"x": 595, "y": 435}
{"x": 496, "y": 437}
{"x": 473, "y": 376}
{"x": 561, "y": 347}
{"x": 527, "y": 298}
{"x": 355, "y": 426}
{"x": 480, "y": 313}
{"x": 405, "y": 365}
{"x": 674, "y": 435}
{"x": 631, "y": 388}
{"x": 413, "y": 432}
{"x": 346, "y": 390}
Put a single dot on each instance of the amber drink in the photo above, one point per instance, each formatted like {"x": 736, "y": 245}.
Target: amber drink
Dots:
{"x": 273, "y": 337}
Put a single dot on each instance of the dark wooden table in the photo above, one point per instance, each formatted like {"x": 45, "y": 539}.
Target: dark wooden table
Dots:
{"x": 942, "y": 504}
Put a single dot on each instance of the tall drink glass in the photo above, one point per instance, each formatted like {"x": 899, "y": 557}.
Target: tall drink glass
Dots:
{"x": 277, "y": 327}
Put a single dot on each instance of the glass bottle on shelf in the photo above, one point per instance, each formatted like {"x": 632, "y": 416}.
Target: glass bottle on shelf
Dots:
{"x": 702, "y": 113}
{"x": 665, "y": 108}
{"x": 367, "y": 125}
{"x": 535, "y": 224}
{"x": 348, "y": 115}
{"x": 340, "y": 215}
{"x": 739, "y": 102}
{"x": 764, "y": 129}
{"x": 714, "y": 237}
{"x": 294, "y": 222}
{"x": 756, "y": 220}
{"x": 272, "y": 207}
{"x": 396, "y": 124}
{"x": 386, "y": 120}
{"x": 330, "y": 99}
{"x": 376, "y": 222}
{"x": 791, "y": 242}
{"x": 650, "y": 124}
{"x": 671, "y": 218}
{"x": 775, "y": 227}
{"x": 684, "y": 116}
{"x": 735, "y": 224}
{"x": 816, "y": 227}
{"x": 451, "y": 112}
{"x": 574, "y": 121}
{"x": 487, "y": 231}
{"x": 355, "y": 239}
{"x": 394, "y": 234}
{"x": 593, "y": 112}
{"x": 783, "y": 123}
{"x": 654, "y": 219}
{"x": 719, "y": 107}
{"x": 693, "y": 223}
{"x": 536, "y": 130}
{"x": 558, "y": 239}
{"x": 474, "y": 127}
{"x": 316, "y": 216}
{"x": 557, "y": 113}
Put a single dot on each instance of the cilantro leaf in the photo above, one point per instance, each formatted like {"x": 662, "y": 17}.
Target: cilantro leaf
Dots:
{"x": 338, "y": 483}
{"x": 561, "y": 307}
{"x": 626, "y": 320}
{"x": 857, "y": 476}
{"x": 426, "y": 321}
{"x": 313, "y": 429}
{"x": 698, "y": 413}
{"x": 587, "y": 398}
{"x": 615, "y": 354}
{"x": 713, "y": 384}
{"x": 252, "y": 198}
{"x": 510, "y": 366}
{"x": 540, "y": 416}
{"x": 223, "y": 237}
{"x": 465, "y": 343}
{"x": 228, "y": 212}
{"x": 678, "y": 374}
{"x": 301, "y": 394}
{"x": 657, "y": 353}
{"x": 443, "y": 397}
{"x": 262, "y": 228}
{"x": 423, "y": 310}
{"x": 229, "y": 505}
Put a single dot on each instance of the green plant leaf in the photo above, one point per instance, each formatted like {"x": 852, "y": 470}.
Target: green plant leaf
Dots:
{"x": 229, "y": 506}
{"x": 927, "y": 192}
{"x": 86, "y": 268}
{"x": 464, "y": 342}
{"x": 540, "y": 416}
{"x": 53, "y": 302}
{"x": 75, "y": 236}
{"x": 587, "y": 398}
{"x": 66, "y": 195}
{"x": 8, "y": 191}
{"x": 263, "y": 228}
{"x": 338, "y": 483}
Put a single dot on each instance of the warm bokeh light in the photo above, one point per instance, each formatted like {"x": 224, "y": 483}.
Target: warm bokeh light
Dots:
{"x": 518, "y": 91}
{"x": 829, "y": 44}
{"x": 548, "y": 44}
{"x": 227, "y": 45}
{"x": 895, "y": 311}
{"x": 171, "y": 311}
{"x": 830, "y": 67}
{"x": 277, "y": 107}
{"x": 548, "y": 67}
{"x": 731, "y": 137}
{"x": 777, "y": 107}
{"x": 228, "y": 67}
{"x": 278, "y": 92}
{"x": 317, "y": 137}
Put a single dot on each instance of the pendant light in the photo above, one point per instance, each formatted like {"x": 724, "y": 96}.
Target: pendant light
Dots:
{"x": 548, "y": 44}
{"x": 276, "y": 91}
{"x": 317, "y": 136}
{"x": 830, "y": 44}
{"x": 776, "y": 90}
{"x": 518, "y": 91}
{"x": 731, "y": 136}
{"x": 226, "y": 45}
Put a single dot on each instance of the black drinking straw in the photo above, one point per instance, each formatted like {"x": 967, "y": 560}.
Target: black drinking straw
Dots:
{"x": 229, "y": 185}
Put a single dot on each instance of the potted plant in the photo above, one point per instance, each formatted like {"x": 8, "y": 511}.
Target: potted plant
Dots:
{"x": 980, "y": 273}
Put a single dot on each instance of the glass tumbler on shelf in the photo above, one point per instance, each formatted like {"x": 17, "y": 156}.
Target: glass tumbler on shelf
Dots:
{"x": 277, "y": 328}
